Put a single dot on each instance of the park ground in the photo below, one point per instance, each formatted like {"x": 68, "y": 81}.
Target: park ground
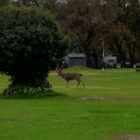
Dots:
{"x": 107, "y": 109}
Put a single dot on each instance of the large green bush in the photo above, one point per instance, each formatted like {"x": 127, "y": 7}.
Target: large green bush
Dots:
{"x": 30, "y": 41}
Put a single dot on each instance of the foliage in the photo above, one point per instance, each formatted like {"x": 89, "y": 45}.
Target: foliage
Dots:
{"x": 91, "y": 22}
{"x": 25, "y": 2}
{"x": 24, "y": 89}
{"x": 31, "y": 41}
{"x": 4, "y": 2}
{"x": 31, "y": 93}
{"x": 77, "y": 18}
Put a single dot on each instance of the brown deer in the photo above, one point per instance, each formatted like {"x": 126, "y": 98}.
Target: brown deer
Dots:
{"x": 70, "y": 76}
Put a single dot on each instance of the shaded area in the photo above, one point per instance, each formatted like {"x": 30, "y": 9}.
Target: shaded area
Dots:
{"x": 91, "y": 98}
{"x": 33, "y": 96}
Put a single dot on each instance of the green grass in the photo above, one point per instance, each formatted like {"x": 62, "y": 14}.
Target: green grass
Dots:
{"x": 69, "y": 117}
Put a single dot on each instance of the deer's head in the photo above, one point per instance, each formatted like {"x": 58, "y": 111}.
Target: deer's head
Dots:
{"x": 58, "y": 70}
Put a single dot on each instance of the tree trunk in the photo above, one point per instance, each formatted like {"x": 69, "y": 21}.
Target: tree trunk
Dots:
{"x": 131, "y": 54}
{"x": 119, "y": 46}
{"x": 95, "y": 58}
{"x": 86, "y": 50}
{"x": 88, "y": 60}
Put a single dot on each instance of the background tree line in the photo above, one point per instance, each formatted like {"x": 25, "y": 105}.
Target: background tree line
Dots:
{"x": 94, "y": 24}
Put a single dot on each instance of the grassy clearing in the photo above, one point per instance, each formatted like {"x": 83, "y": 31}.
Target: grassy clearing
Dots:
{"x": 68, "y": 117}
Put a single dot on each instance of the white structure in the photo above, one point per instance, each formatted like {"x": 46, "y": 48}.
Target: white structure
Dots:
{"x": 110, "y": 61}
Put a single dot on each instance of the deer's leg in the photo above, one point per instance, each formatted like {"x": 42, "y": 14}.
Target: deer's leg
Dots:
{"x": 78, "y": 83}
{"x": 67, "y": 82}
{"x": 82, "y": 83}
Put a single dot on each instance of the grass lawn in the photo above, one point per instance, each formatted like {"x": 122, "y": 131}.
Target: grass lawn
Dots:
{"x": 113, "y": 115}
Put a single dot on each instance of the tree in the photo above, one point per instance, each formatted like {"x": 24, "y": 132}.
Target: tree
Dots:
{"x": 31, "y": 41}
{"x": 25, "y": 2}
{"x": 78, "y": 21}
{"x": 87, "y": 22}
{"x": 110, "y": 29}
{"x": 4, "y": 2}
{"x": 91, "y": 22}
{"x": 116, "y": 26}
{"x": 129, "y": 11}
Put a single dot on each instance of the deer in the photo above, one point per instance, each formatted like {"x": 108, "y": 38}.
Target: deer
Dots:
{"x": 70, "y": 76}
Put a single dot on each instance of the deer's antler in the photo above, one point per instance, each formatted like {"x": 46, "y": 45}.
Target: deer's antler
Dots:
{"x": 57, "y": 68}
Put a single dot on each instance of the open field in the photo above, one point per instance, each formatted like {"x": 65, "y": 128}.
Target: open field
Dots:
{"x": 111, "y": 111}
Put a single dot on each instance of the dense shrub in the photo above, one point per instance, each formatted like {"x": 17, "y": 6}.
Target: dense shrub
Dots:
{"x": 30, "y": 42}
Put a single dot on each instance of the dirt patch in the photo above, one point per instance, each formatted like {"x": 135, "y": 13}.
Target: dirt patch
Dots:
{"x": 130, "y": 137}
{"x": 91, "y": 98}
{"x": 87, "y": 87}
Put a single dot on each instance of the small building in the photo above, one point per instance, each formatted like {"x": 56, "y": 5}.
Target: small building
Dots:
{"x": 75, "y": 59}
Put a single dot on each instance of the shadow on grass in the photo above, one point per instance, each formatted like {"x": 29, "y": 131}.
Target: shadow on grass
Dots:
{"x": 34, "y": 96}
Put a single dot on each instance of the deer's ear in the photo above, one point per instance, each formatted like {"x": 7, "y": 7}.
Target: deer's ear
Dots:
{"x": 57, "y": 68}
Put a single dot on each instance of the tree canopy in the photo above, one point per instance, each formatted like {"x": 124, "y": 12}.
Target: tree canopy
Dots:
{"x": 89, "y": 23}
{"x": 30, "y": 41}
{"x": 4, "y": 2}
{"x": 93, "y": 21}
